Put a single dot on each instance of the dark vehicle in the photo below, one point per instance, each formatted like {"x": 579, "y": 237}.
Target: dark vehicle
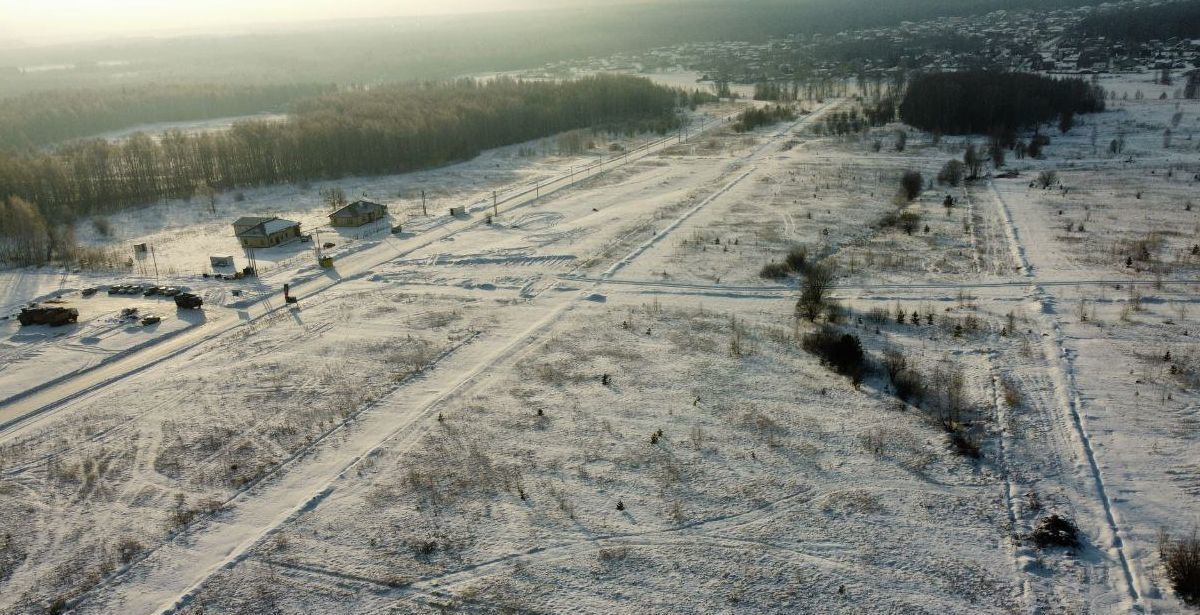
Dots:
{"x": 114, "y": 290}
{"x": 305, "y": 238}
{"x": 188, "y": 301}
{"x": 328, "y": 244}
{"x": 53, "y": 316}
{"x": 129, "y": 313}
{"x": 151, "y": 320}
{"x": 169, "y": 291}
{"x": 151, "y": 291}
{"x": 88, "y": 292}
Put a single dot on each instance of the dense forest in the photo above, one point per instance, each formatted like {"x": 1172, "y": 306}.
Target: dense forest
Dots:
{"x": 986, "y": 102}
{"x": 1140, "y": 24}
{"x": 380, "y": 130}
{"x": 42, "y": 118}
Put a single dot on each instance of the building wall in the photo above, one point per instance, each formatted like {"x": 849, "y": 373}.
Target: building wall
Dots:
{"x": 356, "y": 220}
{"x": 272, "y": 240}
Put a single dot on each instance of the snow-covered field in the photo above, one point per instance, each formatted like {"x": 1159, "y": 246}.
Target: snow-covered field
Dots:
{"x": 595, "y": 404}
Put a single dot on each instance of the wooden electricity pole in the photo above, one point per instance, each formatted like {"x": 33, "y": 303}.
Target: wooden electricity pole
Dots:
{"x": 424, "y": 212}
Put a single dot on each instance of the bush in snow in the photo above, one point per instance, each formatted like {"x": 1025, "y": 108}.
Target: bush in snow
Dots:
{"x": 774, "y": 271}
{"x": 797, "y": 259}
{"x": 1055, "y": 531}
{"x": 910, "y": 184}
{"x": 1181, "y": 558}
{"x": 841, "y": 351}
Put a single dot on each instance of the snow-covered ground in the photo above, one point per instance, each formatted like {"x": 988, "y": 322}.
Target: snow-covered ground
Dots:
{"x": 156, "y": 129}
{"x": 595, "y": 404}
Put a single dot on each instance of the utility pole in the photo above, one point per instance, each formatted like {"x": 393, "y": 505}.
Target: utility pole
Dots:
{"x": 424, "y": 211}
{"x": 155, "y": 259}
{"x": 537, "y": 188}
{"x": 495, "y": 208}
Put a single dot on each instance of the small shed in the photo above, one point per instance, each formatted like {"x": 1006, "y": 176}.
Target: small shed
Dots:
{"x": 139, "y": 248}
{"x": 220, "y": 261}
{"x": 358, "y": 213}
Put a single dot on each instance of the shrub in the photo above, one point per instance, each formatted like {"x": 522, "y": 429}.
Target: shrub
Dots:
{"x": 817, "y": 280}
{"x": 1055, "y": 531}
{"x": 909, "y": 385}
{"x": 1034, "y": 150}
{"x": 1046, "y": 179}
{"x": 966, "y": 443}
{"x": 774, "y": 271}
{"x": 951, "y": 173}
{"x": 894, "y": 362}
{"x": 1181, "y": 558}
{"x": 102, "y": 226}
{"x": 878, "y": 315}
{"x": 841, "y": 351}
{"x": 797, "y": 259}
{"x": 910, "y": 184}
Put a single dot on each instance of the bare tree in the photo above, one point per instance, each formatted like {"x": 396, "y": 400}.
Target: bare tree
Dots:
{"x": 818, "y": 278}
{"x": 973, "y": 161}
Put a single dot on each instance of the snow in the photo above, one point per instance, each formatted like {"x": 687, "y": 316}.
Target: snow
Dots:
{"x": 430, "y": 428}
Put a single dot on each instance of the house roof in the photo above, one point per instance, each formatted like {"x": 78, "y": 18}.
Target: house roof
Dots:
{"x": 279, "y": 224}
{"x": 251, "y": 220}
{"x": 357, "y": 208}
{"x": 265, "y": 228}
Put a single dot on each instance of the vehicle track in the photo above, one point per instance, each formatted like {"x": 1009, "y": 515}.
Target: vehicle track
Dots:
{"x": 1067, "y": 394}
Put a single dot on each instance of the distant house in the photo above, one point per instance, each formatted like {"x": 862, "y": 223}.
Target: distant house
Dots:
{"x": 258, "y": 232}
{"x": 357, "y": 213}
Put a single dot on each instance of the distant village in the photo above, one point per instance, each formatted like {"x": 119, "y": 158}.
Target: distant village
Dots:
{"x": 1017, "y": 40}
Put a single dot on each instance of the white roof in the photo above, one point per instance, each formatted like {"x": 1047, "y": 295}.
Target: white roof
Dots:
{"x": 278, "y": 224}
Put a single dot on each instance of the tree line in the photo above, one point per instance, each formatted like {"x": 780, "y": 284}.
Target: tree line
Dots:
{"x": 390, "y": 129}
{"x": 763, "y": 116}
{"x": 989, "y": 102}
{"x": 42, "y": 118}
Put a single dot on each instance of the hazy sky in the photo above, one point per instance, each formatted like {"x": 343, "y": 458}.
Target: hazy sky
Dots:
{"x": 59, "y": 20}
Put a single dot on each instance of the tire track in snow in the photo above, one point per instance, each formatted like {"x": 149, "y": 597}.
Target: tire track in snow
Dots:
{"x": 1062, "y": 374}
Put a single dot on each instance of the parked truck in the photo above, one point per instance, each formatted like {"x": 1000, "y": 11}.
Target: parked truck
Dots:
{"x": 188, "y": 301}
{"x": 53, "y": 316}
